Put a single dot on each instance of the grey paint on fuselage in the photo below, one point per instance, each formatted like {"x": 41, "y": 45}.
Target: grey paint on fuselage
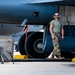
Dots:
{"x": 16, "y": 30}
{"x": 6, "y": 29}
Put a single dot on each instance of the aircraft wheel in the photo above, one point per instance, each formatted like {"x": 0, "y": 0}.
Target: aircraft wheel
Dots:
{"x": 34, "y": 45}
{"x": 21, "y": 44}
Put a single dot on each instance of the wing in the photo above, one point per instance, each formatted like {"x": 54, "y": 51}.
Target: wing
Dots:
{"x": 54, "y": 2}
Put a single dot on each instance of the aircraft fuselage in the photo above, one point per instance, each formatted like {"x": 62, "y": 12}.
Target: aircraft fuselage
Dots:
{"x": 34, "y": 13}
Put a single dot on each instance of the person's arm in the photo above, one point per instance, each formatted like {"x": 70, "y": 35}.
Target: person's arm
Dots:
{"x": 62, "y": 32}
{"x": 51, "y": 31}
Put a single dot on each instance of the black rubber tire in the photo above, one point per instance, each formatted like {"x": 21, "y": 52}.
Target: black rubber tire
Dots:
{"x": 30, "y": 50}
{"x": 21, "y": 44}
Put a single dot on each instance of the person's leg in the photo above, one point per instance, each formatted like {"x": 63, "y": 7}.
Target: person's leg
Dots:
{"x": 56, "y": 44}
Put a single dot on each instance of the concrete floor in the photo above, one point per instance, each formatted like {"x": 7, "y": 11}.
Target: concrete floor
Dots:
{"x": 37, "y": 68}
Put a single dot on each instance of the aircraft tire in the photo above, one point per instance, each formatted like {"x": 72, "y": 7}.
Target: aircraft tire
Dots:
{"x": 34, "y": 46}
{"x": 21, "y": 44}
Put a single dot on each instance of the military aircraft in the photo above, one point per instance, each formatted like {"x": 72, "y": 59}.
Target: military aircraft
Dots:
{"x": 40, "y": 12}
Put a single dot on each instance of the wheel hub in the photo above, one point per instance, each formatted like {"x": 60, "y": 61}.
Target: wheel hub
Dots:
{"x": 38, "y": 46}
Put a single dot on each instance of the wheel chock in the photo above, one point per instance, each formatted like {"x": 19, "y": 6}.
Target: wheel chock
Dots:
{"x": 20, "y": 57}
{"x": 73, "y": 60}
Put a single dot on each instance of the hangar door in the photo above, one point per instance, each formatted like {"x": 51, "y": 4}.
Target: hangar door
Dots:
{"x": 67, "y": 14}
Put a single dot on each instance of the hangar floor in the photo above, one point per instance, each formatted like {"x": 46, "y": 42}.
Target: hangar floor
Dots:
{"x": 37, "y": 68}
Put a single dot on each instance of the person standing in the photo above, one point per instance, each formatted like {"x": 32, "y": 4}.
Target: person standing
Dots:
{"x": 57, "y": 31}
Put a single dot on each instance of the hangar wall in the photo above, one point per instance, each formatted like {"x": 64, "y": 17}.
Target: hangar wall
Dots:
{"x": 67, "y": 14}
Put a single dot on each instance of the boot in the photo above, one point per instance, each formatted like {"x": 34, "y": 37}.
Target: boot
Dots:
{"x": 51, "y": 56}
{"x": 60, "y": 57}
